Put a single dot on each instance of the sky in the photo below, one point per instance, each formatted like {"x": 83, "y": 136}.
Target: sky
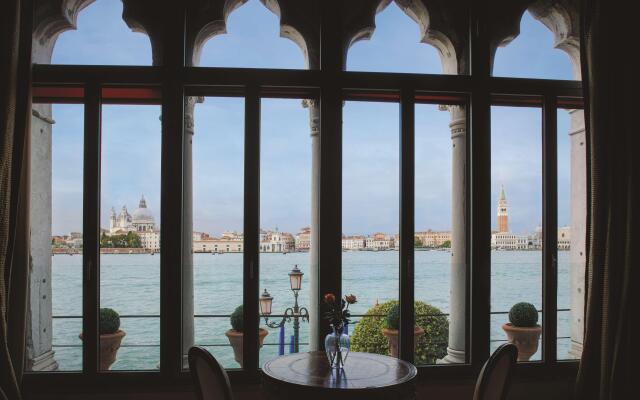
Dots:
{"x": 131, "y": 134}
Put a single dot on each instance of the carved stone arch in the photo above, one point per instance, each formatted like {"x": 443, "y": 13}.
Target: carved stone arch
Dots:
{"x": 561, "y": 17}
{"x": 300, "y": 24}
{"x": 205, "y": 19}
{"x": 504, "y": 24}
{"x": 144, "y": 16}
{"x": 359, "y": 22}
{"x": 444, "y": 25}
{"x": 51, "y": 18}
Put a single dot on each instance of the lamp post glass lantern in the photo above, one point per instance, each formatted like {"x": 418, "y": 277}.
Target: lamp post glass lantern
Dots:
{"x": 295, "y": 313}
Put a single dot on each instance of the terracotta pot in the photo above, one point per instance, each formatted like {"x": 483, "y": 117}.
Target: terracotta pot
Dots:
{"x": 109, "y": 345}
{"x": 392, "y": 337}
{"x": 236, "y": 339}
{"x": 525, "y": 339}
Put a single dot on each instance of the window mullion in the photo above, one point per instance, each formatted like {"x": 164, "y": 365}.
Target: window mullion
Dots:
{"x": 549, "y": 230}
{"x": 91, "y": 229}
{"x": 480, "y": 169}
{"x": 407, "y": 221}
{"x": 251, "y": 261}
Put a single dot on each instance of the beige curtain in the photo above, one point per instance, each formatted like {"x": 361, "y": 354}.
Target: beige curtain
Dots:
{"x": 610, "y": 65}
{"x": 15, "y": 107}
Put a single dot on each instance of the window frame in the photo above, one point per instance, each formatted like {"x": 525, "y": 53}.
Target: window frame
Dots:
{"x": 177, "y": 81}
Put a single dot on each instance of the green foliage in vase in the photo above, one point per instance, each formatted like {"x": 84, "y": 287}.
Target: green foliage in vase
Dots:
{"x": 367, "y": 335}
{"x": 109, "y": 321}
{"x": 523, "y": 315}
{"x": 237, "y": 319}
{"x": 393, "y": 317}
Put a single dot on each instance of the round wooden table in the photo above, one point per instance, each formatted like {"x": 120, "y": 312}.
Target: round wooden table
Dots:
{"x": 304, "y": 376}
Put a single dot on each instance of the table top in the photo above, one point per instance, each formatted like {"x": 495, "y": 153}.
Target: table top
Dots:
{"x": 361, "y": 371}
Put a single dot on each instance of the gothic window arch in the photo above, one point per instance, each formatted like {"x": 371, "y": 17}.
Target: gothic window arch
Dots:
{"x": 531, "y": 54}
{"x": 111, "y": 42}
{"x": 249, "y": 34}
{"x": 395, "y": 45}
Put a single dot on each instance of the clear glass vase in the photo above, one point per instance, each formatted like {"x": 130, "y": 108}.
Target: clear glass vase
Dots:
{"x": 337, "y": 346}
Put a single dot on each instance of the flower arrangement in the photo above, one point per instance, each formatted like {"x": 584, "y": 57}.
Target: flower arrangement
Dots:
{"x": 337, "y": 312}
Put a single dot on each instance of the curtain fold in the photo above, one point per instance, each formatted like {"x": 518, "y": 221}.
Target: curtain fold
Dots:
{"x": 15, "y": 110}
{"x": 610, "y": 70}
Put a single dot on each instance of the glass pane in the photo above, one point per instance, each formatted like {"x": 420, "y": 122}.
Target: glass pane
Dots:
{"x": 370, "y": 215}
{"x": 572, "y": 218}
{"x": 516, "y": 239}
{"x": 440, "y": 273}
{"x": 55, "y": 317}
{"x": 217, "y": 149}
{"x": 285, "y": 215}
{"x": 130, "y": 237}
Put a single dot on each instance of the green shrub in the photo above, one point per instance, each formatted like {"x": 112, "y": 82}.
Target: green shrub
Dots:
{"x": 237, "y": 320}
{"x": 393, "y": 317}
{"x": 109, "y": 321}
{"x": 367, "y": 335}
{"x": 523, "y": 315}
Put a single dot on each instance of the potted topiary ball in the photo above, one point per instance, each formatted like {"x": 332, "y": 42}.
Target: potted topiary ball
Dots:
{"x": 236, "y": 335}
{"x": 523, "y": 329}
{"x": 110, "y": 337}
{"x": 392, "y": 328}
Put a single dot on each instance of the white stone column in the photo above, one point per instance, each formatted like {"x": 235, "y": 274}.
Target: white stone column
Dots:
{"x": 578, "y": 229}
{"x": 40, "y": 355}
{"x": 314, "y": 271}
{"x": 457, "y": 295}
{"x": 187, "y": 237}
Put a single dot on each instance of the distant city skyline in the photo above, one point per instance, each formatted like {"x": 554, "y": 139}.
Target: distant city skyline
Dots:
{"x": 131, "y": 134}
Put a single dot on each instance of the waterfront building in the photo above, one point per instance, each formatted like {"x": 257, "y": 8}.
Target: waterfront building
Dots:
{"x": 150, "y": 240}
{"x": 509, "y": 241}
{"x": 276, "y": 242}
{"x": 140, "y": 221}
{"x": 431, "y": 238}
{"x": 353, "y": 242}
{"x": 564, "y": 238}
{"x": 379, "y": 241}
{"x": 303, "y": 239}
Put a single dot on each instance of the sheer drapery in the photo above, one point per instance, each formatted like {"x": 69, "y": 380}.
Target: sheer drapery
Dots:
{"x": 610, "y": 71}
{"x": 15, "y": 109}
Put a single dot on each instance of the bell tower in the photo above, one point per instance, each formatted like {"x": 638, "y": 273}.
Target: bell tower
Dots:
{"x": 503, "y": 215}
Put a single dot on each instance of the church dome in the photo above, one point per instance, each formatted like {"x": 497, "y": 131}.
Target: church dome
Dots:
{"x": 142, "y": 215}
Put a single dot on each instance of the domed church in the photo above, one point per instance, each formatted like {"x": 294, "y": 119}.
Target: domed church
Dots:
{"x": 140, "y": 221}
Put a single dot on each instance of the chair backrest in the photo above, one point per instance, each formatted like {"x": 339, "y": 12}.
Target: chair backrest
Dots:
{"x": 495, "y": 377}
{"x": 210, "y": 379}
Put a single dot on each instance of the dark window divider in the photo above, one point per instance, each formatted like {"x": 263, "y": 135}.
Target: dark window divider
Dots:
{"x": 549, "y": 229}
{"x": 407, "y": 223}
{"x": 91, "y": 229}
{"x": 251, "y": 259}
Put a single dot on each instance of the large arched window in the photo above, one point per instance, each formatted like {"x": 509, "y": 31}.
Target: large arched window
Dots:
{"x": 373, "y": 183}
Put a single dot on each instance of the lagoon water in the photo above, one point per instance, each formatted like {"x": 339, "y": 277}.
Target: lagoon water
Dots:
{"x": 131, "y": 285}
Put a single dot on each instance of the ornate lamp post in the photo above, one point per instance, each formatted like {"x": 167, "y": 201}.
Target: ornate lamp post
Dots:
{"x": 296, "y": 313}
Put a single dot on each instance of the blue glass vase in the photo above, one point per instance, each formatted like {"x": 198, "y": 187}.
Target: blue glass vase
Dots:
{"x": 337, "y": 346}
